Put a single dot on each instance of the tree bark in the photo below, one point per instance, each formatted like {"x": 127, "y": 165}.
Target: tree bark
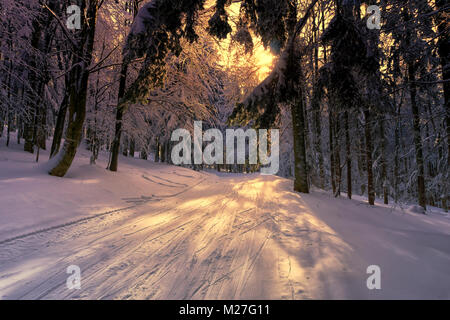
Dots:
{"x": 163, "y": 152}
{"x": 368, "y": 135}
{"x": 119, "y": 117}
{"x": 30, "y": 119}
{"x": 318, "y": 145}
{"x": 298, "y": 125}
{"x": 28, "y": 136}
{"x": 337, "y": 156}
{"x": 144, "y": 155}
{"x": 444, "y": 54}
{"x": 417, "y": 136}
{"x": 332, "y": 163}
{"x": 348, "y": 156}
{"x": 157, "y": 150}
{"x": 125, "y": 146}
{"x": 78, "y": 90}
{"x": 384, "y": 178}
{"x": 132, "y": 147}
{"x": 114, "y": 160}
{"x": 19, "y": 128}
{"x": 59, "y": 127}
{"x": 397, "y": 151}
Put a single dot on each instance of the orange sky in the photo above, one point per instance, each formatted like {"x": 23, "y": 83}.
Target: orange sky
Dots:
{"x": 263, "y": 57}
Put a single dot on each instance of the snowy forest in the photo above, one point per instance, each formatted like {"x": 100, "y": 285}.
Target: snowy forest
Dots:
{"x": 359, "y": 91}
{"x": 369, "y": 107}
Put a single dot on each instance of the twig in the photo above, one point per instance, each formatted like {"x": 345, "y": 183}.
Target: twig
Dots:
{"x": 63, "y": 27}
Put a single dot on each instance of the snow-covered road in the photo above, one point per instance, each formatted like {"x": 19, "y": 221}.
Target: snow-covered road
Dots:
{"x": 233, "y": 238}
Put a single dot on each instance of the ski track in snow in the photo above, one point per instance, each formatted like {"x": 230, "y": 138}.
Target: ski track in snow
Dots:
{"x": 223, "y": 238}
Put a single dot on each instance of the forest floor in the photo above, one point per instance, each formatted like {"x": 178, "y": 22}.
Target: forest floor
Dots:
{"x": 154, "y": 231}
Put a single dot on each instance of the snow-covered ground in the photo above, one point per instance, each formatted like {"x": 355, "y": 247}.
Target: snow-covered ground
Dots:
{"x": 153, "y": 231}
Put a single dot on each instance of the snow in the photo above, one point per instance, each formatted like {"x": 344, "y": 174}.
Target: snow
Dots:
{"x": 154, "y": 231}
{"x": 143, "y": 18}
{"x": 32, "y": 200}
{"x": 276, "y": 76}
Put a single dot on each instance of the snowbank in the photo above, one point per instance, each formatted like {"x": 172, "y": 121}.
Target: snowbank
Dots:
{"x": 32, "y": 200}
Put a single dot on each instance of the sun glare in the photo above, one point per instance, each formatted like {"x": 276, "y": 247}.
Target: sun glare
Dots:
{"x": 264, "y": 61}
{"x": 262, "y": 58}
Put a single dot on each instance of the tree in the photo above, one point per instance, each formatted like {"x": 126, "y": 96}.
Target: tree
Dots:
{"x": 283, "y": 85}
{"x": 408, "y": 30}
{"x": 156, "y": 31}
{"x": 350, "y": 63}
{"x": 444, "y": 55}
{"x": 83, "y": 44}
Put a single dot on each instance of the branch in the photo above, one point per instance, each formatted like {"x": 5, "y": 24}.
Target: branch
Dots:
{"x": 105, "y": 67}
{"x": 114, "y": 65}
{"x": 63, "y": 27}
{"x": 302, "y": 22}
{"x": 102, "y": 60}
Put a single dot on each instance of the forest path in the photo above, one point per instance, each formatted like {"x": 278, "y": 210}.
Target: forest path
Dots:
{"x": 241, "y": 237}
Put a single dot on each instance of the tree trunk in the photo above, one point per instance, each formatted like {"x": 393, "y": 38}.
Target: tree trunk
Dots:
{"x": 38, "y": 75}
{"x": 168, "y": 152}
{"x": 28, "y": 136}
{"x": 397, "y": 152}
{"x": 444, "y": 54}
{"x": 417, "y": 136}
{"x": 8, "y": 104}
{"x": 298, "y": 125}
{"x": 8, "y": 130}
{"x": 125, "y": 146}
{"x": 119, "y": 117}
{"x": 79, "y": 76}
{"x": 59, "y": 128}
{"x": 368, "y": 135}
{"x": 19, "y": 128}
{"x": 163, "y": 152}
{"x": 361, "y": 158}
{"x": 132, "y": 147}
{"x": 348, "y": 156}
{"x": 114, "y": 160}
{"x": 41, "y": 124}
{"x": 337, "y": 157}
{"x": 384, "y": 178}
{"x": 157, "y": 150}
{"x": 144, "y": 155}
{"x": 29, "y": 120}
{"x": 318, "y": 145}
{"x": 77, "y": 112}
{"x": 332, "y": 163}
